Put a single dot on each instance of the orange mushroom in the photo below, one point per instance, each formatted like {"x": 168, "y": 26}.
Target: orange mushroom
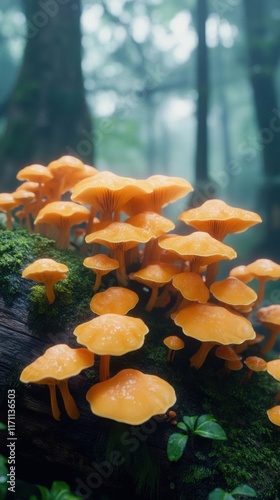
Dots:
{"x": 212, "y": 324}
{"x": 119, "y": 237}
{"x": 219, "y": 219}
{"x": 174, "y": 343}
{"x": 274, "y": 415}
{"x": 54, "y": 368}
{"x": 101, "y": 264}
{"x": 269, "y": 317}
{"x": 131, "y": 397}
{"x": 24, "y": 198}
{"x": 111, "y": 335}
{"x": 116, "y": 299}
{"x": 233, "y": 292}
{"x": 241, "y": 273}
{"x": 273, "y": 368}
{"x": 263, "y": 270}
{"x": 7, "y": 203}
{"x": 200, "y": 249}
{"x": 38, "y": 174}
{"x": 63, "y": 215}
{"x": 191, "y": 287}
{"x": 64, "y": 171}
{"x": 254, "y": 364}
{"x": 48, "y": 272}
{"x": 155, "y": 276}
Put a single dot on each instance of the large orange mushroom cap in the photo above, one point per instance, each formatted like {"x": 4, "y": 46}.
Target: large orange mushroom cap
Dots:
{"x": 212, "y": 324}
{"x": 48, "y": 272}
{"x": 131, "y": 397}
{"x": 219, "y": 219}
{"x": 35, "y": 173}
{"x": 165, "y": 190}
{"x": 111, "y": 335}
{"x": 107, "y": 193}
{"x": 233, "y": 292}
{"x": 63, "y": 215}
{"x": 199, "y": 248}
{"x": 269, "y": 317}
{"x": 116, "y": 300}
{"x": 64, "y": 171}
{"x": 54, "y": 368}
{"x": 120, "y": 237}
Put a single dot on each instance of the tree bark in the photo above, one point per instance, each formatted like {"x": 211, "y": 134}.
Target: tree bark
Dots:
{"x": 47, "y": 113}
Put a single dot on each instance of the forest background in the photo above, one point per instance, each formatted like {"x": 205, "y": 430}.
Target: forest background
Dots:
{"x": 140, "y": 87}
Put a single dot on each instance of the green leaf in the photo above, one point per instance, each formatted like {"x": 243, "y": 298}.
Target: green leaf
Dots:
{"x": 176, "y": 445}
{"x": 243, "y": 489}
{"x": 219, "y": 494}
{"x": 2, "y": 426}
{"x": 210, "y": 429}
{"x": 45, "y": 494}
{"x": 190, "y": 422}
{"x": 182, "y": 426}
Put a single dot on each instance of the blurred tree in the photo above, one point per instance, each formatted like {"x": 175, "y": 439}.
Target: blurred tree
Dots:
{"x": 263, "y": 35}
{"x": 47, "y": 111}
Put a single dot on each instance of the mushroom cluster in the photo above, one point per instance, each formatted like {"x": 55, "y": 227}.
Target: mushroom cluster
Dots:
{"x": 126, "y": 237}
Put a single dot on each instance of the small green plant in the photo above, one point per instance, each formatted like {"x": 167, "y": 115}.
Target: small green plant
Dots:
{"x": 59, "y": 491}
{"x": 204, "y": 425}
{"x": 243, "y": 489}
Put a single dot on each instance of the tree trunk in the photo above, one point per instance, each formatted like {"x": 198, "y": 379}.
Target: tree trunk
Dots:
{"x": 262, "y": 67}
{"x": 47, "y": 114}
{"x": 201, "y": 161}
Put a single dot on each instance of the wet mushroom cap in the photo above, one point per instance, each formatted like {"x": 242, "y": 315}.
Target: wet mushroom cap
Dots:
{"x": 234, "y": 292}
{"x": 101, "y": 262}
{"x": 191, "y": 286}
{"x": 209, "y": 322}
{"x": 43, "y": 270}
{"x": 255, "y": 363}
{"x": 270, "y": 315}
{"x": 264, "y": 268}
{"x": 241, "y": 273}
{"x": 153, "y": 222}
{"x": 58, "y": 211}
{"x": 274, "y": 415}
{"x": 131, "y": 397}
{"x": 112, "y": 334}
{"x": 219, "y": 219}
{"x": 155, "y": 274}
{"x": 273, "y": 368}
{"x": 59, "y": 362}
{"x": 34, "y": 173}
{"x": 116, "y": 300}
{"x": 227, "y": 353}
{"x": 173, "y": 342}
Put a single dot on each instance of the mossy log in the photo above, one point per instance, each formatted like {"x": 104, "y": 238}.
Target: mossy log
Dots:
{"x": 99, "y": 457}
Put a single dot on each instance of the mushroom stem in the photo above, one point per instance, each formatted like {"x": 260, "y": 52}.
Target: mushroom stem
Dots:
{"x": 104, "y": 368}
{"x": 199, "y": 357}
{"x": 170, "y": 355}
{"x": 9, "y": 223}
{"x": 50, "y": 292}
{"x": 121, "y": 271}
{"x": 260, "y": 292}
{"x": 69, "y": 403}
{"x": 54, "y": 405}
{"x": 152, "y": 300}
{"x": 270, "y": 343}
{"x": 211, "y": 273}
{"x": 97, "y": 283}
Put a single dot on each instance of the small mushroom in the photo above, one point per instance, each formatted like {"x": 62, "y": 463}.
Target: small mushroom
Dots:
{"x": 48, "y": 272}
{"x": 111, "y": 335}
{"x": 174, "y": 343}
{"x": 7, "y": 203}
{"x": 54, "y": 368}
{"x": 131, "y": 397}
{"x": 254, "y": 364}
{"x": 269, "y": 317}
{"x": 263, "y": 270}
{"x": 101, "y": 264}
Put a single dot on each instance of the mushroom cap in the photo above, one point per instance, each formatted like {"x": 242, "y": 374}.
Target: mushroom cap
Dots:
{"x": 264, "y": 268}
{"x": 164, "y": 190}
{"x": 59, "y": 362}
{"x": 219, "y": 219}
{"x": 158, "y": 273}
{"x": 234, "y": 365}
{"x": 23, "y": 196}
{"x": 101, "y": 262}
{"x": 198, "y": 245}
{"x": 191, "y": 286}
{"x": 269, "y": 315}
{"x": 273, "y": 368}
{"x": 131, "y": 397}
{"x": 112, "y": 334}
{"x": 108, "y": 192}
{"x": 173, "y": 342}
{"x": 209, "y": 322}
{"x": 255, "y": 363}
{"x": 28, "y": 186}
{"x": 57, "y": 212}
{"x": 234, "y": 292}
{"x": 153, "y": 222}
{"x": 274, "y": 415}
{"x": 7, "y": 201}
{"x": 116, "y": 300}
{"x": 34, "y": 173}
{"x": 43, "y": 270}
{"x": 119, "y": 233}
